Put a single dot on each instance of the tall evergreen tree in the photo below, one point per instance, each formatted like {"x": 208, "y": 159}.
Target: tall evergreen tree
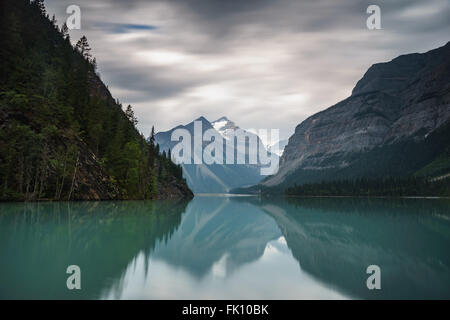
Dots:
{"x": 152, "y": 137}
{"x": 130, "y": 115}
{"x": 65, "y": 31}
{"x": 83, "y": 47}
{"x": 39, "y": 4}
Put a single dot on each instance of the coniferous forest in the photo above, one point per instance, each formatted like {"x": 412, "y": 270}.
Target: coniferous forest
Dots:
{"x": 387, "y": 187}
{"x": 62, "y": 135}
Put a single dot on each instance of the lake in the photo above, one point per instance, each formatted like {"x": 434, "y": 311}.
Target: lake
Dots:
{"x": 223, "y": 247}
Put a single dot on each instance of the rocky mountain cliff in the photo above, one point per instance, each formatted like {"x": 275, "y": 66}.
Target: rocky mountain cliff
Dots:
{"x": 395, "y": 123}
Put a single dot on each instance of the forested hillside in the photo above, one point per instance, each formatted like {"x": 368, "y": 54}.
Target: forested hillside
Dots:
{"x": 62, "y": 135}
{"x": 387, "y": 187}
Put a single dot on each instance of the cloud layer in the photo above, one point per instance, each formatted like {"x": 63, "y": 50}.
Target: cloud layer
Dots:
{"x": 262, "y": 63}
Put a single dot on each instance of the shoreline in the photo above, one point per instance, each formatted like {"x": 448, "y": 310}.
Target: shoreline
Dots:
{"x": 381, "y": 197}
{"x": 226, "y": 195}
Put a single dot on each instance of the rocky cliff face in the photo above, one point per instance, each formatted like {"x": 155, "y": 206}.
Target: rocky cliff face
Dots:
{"x": 405, "y": 99}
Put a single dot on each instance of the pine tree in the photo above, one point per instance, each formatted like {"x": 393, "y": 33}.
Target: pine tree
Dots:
{"x": 40, "y": 6}
{"x": 65, "y": 31}
{"x": 83, "y": 47}
{"x": 130, "y": 115}
{"x": 151, "y": 148}
{"x": 54, "y": 21}
{"x": 152, "y": 137}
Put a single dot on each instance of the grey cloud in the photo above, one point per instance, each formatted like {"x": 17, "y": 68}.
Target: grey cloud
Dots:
{"x": 263, "y": 63}
{"x": 147, "y": 83}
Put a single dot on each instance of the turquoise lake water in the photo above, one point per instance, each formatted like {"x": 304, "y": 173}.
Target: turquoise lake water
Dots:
{"x": 220, "y": 247}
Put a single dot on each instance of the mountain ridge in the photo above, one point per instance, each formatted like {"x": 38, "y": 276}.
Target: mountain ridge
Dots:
{"x": 214, "y": 178}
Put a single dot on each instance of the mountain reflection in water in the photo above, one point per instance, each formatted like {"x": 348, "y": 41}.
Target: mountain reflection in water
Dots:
{"x": 227, "y": 248}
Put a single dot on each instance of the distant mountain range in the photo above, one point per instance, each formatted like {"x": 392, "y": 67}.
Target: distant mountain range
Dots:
{"x": 215, "y": 178}
{"x": 394, "y": 124}
{"x": 278, "y": 146}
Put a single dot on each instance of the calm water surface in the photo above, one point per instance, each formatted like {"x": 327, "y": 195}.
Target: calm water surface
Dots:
{"x": 216, "y": 247}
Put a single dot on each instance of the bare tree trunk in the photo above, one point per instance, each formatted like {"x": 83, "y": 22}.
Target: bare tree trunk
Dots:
{"x": 44, "y": 170}
{"x": 27, "y": 189}
{"x": 63, "y": 177}
{"x": 21, "y": 173}
{"x": 5, "y": 185}
{"x": 73, "y": 178}
{"x": 56, "y": 187}
{"x": 42, "y": 181}
{"x": 36, "y": 182}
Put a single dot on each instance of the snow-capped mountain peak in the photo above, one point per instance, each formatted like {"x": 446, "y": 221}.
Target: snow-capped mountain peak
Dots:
{"x": 224, "y": 126}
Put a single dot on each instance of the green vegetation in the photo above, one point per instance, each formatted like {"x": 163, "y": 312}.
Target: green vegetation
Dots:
{"x": 62, "y": 135}
{"x": 439, "y": 166}
{"x": 392, "y": 187}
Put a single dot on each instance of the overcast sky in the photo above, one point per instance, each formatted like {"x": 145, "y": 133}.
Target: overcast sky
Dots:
{"x": 261, "y": 63}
